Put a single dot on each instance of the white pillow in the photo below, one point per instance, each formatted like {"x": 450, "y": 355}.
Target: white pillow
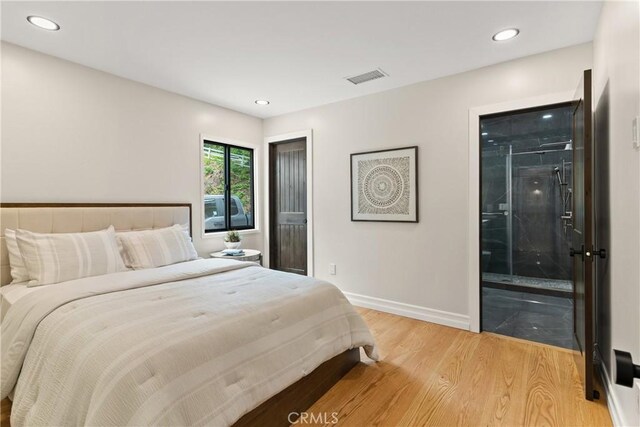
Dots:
{"x": 58, "y": 257}
{"x": 155, "y": 248}
{"x": 19, "y": 271}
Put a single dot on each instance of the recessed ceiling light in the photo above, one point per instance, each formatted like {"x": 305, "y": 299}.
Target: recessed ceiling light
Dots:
{"x": 547, "y": 116}
{"x": 505, "y": 34}
{"x": 262, "y": 102}
{"x": 44, "y": 23}
{"x": 485, "y": 133}
{"x": 491, "y": 140}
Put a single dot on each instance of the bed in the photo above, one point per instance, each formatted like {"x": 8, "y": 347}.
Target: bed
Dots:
{"x": 202, "y": 342}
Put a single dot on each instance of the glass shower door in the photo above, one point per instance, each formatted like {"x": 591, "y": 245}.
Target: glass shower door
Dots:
{"x": 497, "y": 251}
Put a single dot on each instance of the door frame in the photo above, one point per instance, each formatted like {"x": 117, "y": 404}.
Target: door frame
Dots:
{"x": 308, "y": 135}
{"x": 473, "y": 225}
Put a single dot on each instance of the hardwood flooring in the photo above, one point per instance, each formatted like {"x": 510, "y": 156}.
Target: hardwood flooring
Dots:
{"x": 432, "y": 375}
{"x": 5, "y": 412}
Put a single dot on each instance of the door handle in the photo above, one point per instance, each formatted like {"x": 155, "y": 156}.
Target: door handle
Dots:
{"x": 581, "y": 252}
{"x": 602, "y": 253}
{"x": 625, "y": 370}
{"x": 573, "y": 252}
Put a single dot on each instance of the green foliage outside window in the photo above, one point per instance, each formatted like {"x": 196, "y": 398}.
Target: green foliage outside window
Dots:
{"x": 241, "y": 163}
{"x": 241, "y": 177}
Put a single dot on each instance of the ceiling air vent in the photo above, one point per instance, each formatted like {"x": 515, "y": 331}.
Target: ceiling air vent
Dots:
{"x": 366, "y": 77}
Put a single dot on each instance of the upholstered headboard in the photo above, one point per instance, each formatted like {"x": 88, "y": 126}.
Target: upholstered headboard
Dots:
{"x": 79, "y": 217}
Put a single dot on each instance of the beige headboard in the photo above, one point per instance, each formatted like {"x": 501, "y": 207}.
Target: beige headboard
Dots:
{"x": 81, "y": 217}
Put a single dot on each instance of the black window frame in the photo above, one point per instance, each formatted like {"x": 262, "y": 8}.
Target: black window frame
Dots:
{"x": 227, "y": 188}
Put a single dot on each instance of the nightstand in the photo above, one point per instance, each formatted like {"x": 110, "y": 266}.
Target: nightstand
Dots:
{"x": 249, "y": 255}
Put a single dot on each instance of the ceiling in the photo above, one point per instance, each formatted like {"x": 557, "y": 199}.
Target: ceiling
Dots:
{"x": 294, "y": 54}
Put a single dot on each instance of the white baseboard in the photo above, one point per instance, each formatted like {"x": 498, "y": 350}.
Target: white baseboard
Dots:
{"x": 446, "y": 318}
{"x": 612, "y": 402}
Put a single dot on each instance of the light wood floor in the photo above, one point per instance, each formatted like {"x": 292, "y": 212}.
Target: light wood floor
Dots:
{"x": 431, "y": 375}
{"x": 5, "y": 412}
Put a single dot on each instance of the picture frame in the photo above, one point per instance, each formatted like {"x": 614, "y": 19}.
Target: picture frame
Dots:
{"x": 384, "y": 185}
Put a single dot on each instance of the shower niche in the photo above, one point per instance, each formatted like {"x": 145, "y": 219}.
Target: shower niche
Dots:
{"x": 526, "y": 190}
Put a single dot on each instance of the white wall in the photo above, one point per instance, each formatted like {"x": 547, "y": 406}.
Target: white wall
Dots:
{"x": 74, "y": 134}
{"x": 422, "y": 264}
{"x": 617, "y": 61}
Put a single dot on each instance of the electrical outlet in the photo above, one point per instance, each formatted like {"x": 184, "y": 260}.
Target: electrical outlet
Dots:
{"x": 332, "y": 269}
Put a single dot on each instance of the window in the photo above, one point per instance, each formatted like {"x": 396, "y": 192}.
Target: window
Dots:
{"x": 228, "y": 187}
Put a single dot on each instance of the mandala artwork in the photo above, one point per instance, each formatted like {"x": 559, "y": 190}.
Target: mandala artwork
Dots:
{"x": 384, "y": 185}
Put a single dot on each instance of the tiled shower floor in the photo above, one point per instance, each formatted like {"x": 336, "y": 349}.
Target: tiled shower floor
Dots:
{"x": 532, "y": 282}
{"x": 541, "y": 318}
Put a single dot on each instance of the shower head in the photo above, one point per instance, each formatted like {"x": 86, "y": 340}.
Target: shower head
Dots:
{"x": 556, "y": 170}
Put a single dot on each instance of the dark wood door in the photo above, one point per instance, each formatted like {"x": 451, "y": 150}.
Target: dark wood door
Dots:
{"x": 288, "y": 206}
{"x": 582, "y": 234}
{"x": 603, "y": 229}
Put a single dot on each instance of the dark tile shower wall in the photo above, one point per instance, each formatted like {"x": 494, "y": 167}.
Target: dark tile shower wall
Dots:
{"x": 540, "y": 244}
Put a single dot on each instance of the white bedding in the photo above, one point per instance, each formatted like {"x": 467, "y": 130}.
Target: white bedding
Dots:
{"x": 9, "y": 294}
{"x": 200, "y": 342}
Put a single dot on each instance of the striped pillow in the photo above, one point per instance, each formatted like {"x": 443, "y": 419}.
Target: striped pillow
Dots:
{"x": 155, "y": 248}
{"x": 19, "y": 272}
{"x": 58, "y": 257}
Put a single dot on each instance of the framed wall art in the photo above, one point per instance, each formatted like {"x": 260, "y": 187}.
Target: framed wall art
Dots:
{"x": 384, "y": 185}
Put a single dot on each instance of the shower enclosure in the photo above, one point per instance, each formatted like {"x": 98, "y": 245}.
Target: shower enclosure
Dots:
{"x": 526, "y": 166}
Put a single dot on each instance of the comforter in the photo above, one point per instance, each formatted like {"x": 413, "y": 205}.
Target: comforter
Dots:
{"x": 201, "y": 342}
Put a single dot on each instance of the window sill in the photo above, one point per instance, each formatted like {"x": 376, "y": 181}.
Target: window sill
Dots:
{"x": 217, "y": 234}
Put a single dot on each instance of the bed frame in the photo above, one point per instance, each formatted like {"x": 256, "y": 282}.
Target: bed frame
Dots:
{"x": 281, "y": 409}
{"x": 285, "y": 407}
